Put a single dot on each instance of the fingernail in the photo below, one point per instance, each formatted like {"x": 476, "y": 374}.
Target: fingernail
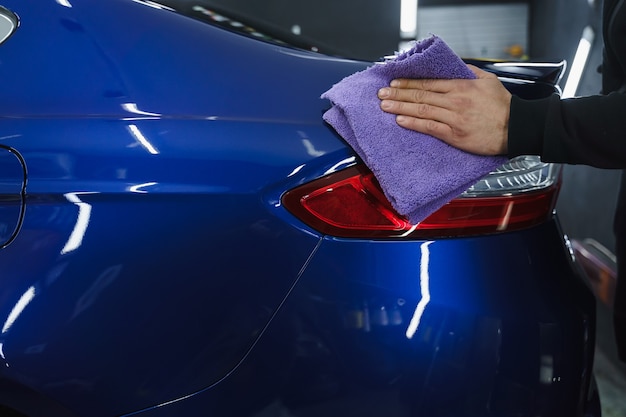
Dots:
{"x": 383, "y": 92}
{"x": 385, "y": 104}
{"x": 400, "y": 119}
{"x": 394, "y": 83}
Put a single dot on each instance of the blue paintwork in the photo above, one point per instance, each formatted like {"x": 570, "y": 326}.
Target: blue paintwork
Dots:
{"x": 97, "y": 56}
{"x": 155, "y": 271}
{"x": 488, "y": 331}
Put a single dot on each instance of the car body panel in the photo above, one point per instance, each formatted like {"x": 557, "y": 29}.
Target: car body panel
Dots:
{"x": 98, "y": 58}
{"x": 346, "y": 344}
{"x": 96, "y": 235}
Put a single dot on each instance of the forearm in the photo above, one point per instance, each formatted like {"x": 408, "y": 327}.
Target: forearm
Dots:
{"x": 527, "y": 120}
{"x": 589, "y": 130}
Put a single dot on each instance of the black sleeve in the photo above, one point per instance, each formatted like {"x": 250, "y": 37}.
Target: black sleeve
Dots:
{"x": 587, "y": 130}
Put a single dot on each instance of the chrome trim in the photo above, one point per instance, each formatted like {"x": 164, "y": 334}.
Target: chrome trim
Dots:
{"x": 8, "y": 24}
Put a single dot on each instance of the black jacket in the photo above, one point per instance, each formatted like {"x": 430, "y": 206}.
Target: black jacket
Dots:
{"x": 587, "y": 130}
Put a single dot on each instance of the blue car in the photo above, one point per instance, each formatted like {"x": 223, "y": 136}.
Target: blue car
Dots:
{"x": 182, "y": 235}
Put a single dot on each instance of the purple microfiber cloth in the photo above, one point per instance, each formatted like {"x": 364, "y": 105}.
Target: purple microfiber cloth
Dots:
{"x": 418, "y": 173}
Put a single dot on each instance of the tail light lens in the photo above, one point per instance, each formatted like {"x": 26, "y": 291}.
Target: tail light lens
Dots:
{"x": 350, "y": 203}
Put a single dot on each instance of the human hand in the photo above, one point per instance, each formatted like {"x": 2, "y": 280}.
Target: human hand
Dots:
{"x": 472, "y": 115}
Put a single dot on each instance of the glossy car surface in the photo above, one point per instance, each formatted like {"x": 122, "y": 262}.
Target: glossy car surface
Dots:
{"x": 149, "y": 265}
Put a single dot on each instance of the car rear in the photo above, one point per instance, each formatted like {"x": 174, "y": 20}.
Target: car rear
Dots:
{"x": 196, "y": 241}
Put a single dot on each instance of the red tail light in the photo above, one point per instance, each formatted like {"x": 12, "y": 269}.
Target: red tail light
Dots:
{"x": 350, "y": 203}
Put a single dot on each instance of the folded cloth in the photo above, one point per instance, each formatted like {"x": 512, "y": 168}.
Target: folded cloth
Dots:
{"x": 418, "y": 173}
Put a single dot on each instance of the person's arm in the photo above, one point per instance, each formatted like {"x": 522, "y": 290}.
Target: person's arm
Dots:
{"x": 480, "y": 116}
{"x": 587, "y": 130}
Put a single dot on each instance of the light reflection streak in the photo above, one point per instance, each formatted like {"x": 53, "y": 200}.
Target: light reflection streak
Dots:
{"x": 142, "y": 139}
{"x": 516, "y": 80}
{"x": 310, "y": 149}
{"x": 132, "y": 108}
{"x": 340, "y": 165}
{"x": 296, "y": 170}
{"x": 424, "y": 289}
{"x": 579, "y": 63}
{"x": 411, "y": 230}
{"x": 506, "y": 218}
{"x": 152, "y": 4}
{"x": 138, "y": 187}
{"x": 524, "y": 64}
{"x": 64, "y": 3}
{"x": 82, "y": 221}
{"x": 21, "y": 304}
{"x": 408, "y": 18}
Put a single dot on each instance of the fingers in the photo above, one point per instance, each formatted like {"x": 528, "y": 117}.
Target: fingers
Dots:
{"x": 434, "y": 85}
{"x": 418, "y": 110}
{"x": 449, "y": 94}
{"x": 433, "y": 120}
{"x": 416, "y": 103}
{"x": 428, "y": 126}
{"x": 401, "y": 98}
{"x": 482, "y": 74}
{"x": 469, "y": 114}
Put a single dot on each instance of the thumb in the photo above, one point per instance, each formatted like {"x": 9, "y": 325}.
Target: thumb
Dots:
{"x": 478, "y": 72}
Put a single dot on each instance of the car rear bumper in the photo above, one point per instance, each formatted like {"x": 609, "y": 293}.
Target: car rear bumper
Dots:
{"x": 465, "y": 327}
